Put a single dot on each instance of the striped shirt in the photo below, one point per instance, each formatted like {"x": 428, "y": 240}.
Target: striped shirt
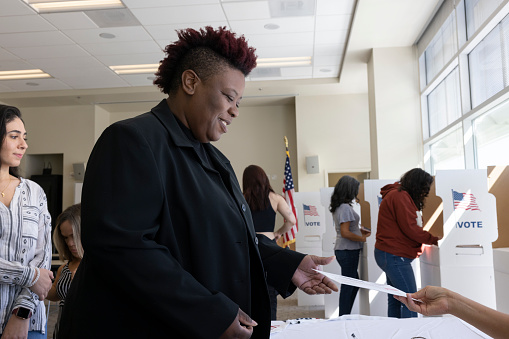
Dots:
{"x": 25, "y": 243}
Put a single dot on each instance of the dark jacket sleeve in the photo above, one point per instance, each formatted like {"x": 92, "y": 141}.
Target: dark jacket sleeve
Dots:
{"x": 280, "y": 265}
{"x": 122, "y": 203}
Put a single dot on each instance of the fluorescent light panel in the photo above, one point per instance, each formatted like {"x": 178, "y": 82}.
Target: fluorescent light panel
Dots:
{"x": 135, "y": 69}
{"x": 283, "y": 62}
{"x": 45, "y": 6}
{"x": 23, "y": 74}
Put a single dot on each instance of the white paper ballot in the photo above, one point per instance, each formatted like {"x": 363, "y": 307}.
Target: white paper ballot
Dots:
{"x": 363, "y": 284}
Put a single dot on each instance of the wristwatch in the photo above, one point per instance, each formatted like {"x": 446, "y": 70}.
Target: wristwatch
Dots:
{"x": 22, "y": 313}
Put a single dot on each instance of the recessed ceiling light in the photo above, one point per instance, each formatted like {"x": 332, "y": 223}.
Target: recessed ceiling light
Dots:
{"x": 46, "y": 6}
{"x": 107, "y": 35}
{"x": 325, "y": 70}
{"x": 271, "y": 26}
{"x": 32, "y": 84}
{"x": 23, "y": 74}
{"x": 135, "y": 69}
{"x": 151, "y": 78}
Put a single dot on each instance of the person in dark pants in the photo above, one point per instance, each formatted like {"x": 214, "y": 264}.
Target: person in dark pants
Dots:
{"x": 350, "y": 238}
{"x": 264, "y": 203}
{"x": 400, "y": 236}
{"x": 169, "y": 244}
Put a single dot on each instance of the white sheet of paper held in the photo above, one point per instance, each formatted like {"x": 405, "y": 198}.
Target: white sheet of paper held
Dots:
{"x": 363, "y": 284}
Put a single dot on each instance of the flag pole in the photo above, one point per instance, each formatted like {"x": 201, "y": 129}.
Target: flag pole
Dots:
{"x": 288, "y": 192}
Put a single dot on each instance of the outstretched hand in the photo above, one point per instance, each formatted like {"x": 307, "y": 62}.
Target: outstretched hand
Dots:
{"x": 311, "y": 281}
{"x": 433, "y": 301}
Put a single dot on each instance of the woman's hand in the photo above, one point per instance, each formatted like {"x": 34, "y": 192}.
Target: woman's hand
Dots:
{"x": 43, "y": 284}
{"x": 241, "y": 327}
{"x": 16, "y": 328}
{"x": 311, "y": 281}
{"x": 434, "y": 301}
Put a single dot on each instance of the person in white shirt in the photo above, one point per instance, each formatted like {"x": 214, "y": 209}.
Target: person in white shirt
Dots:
{"x": 25, "y": 243}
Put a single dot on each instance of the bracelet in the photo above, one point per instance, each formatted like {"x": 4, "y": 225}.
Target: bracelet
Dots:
{"x": 38, "y": 274}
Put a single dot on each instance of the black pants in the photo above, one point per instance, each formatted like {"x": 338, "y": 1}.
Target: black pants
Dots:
{"x": 273, "y": 302}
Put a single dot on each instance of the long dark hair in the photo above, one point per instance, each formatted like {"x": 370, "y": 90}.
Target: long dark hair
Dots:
{"x": 417, "y": 183}
{"x": 256, "y": 188}
{"x": 8, "y": 114}
{"x": 345, "y": 191}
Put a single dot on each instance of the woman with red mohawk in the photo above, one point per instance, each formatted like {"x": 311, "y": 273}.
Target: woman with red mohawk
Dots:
{"x": 170, "y": 247}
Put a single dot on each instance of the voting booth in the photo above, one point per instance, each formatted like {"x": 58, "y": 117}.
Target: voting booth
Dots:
{"x": 463, "y": 259}
{"x": 308, "y": 240}
{"x": 331, "y": 301}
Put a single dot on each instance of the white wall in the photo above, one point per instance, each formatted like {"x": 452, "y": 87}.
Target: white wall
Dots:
{"x": 395, "y": 117}
{"x": 336, "y": 128}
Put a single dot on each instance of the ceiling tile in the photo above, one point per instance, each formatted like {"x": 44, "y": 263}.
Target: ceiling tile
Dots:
{"x": 297, "y": 72}
{"x": 70, "y": 20}
{"x": 247, "y": 10}
{"x": 91, "y": 36}
{"x": 4, "y": 88}
{"x": 48, "y": 51}
{"x": 284, "y": 51}
{"x": 127, "y": 47}
{"x": 6, "y": 55}
{"x": 34, "y": 39}
{"x": 329, "y": 49}
{"x": 332, "y": 22}
{"x": 331, "y": 37}
{"x": 24, "y": 23}
{"x": 274, "y": 40}
{"x": 89, "y": 79}
{"x": 15, "y": 7}
{"x": 131, "y": 59}
{"x": 286, "y": 25}
{"x": 17, "y": 64}
{"x": 164, "y": 3}
{"x": 179, "y": 14}
{"x": 139, "y": 79}
{"x": 332, "y": 60}
{"x": 334, "y": 7}
{"x": 168, "y": 32}
{"x": 43, "y": 85}
{"x": 63, "y": 66}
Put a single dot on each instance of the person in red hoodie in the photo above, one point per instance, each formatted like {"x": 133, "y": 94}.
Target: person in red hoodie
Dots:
{"x": 400, "y": 236}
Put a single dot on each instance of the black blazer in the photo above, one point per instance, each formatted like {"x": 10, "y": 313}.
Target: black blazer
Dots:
{"x": 170, "y": 247}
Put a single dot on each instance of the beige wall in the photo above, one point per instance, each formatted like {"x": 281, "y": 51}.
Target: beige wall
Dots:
{"x": 336, "y": 128}
{"x": 67, "y": 130}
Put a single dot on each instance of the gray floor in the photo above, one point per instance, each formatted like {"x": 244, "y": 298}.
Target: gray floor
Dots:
{"x": 286, "y": 309}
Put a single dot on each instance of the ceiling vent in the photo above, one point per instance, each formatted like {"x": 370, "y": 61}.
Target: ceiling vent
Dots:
{"x": 113, "y": 18}
{"x": 267, "y": 72}
{"x": 290, "y": 8}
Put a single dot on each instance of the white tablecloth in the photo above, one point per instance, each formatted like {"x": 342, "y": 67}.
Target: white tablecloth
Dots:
{"x": 366, "y": 327}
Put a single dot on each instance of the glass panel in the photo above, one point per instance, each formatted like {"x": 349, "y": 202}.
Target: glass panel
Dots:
{"x": 447, "y": 153}
{"x": 444, "y": 104}
{"x": 491, "y": 133}
{"x": 442, "y": 48}
{"x": 477, "y": 11}
{"x": 485, "y": 64}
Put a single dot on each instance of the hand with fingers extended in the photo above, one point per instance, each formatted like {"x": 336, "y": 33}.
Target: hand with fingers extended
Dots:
{"x": 311, "y": 281}
{"x": 240, "y": 328}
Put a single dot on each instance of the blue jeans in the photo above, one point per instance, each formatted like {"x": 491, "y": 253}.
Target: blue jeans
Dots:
{"x": 349, "y": 262}
{"x": 400, "y": 274}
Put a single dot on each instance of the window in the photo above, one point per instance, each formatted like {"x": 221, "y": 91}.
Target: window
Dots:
{"x": 447, "y": 153}
{"x": 444, "y": 105}
{"x": 477, "y": 11}
{"x": 491, "y": 131}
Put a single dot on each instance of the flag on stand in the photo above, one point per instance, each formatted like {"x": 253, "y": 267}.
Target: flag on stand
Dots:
{"x": 288, "y": 192}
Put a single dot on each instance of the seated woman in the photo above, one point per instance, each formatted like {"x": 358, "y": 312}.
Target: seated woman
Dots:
{"x": 66, "y": 238}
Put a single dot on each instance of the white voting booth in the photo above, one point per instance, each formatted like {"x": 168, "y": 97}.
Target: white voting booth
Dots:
{"x": 308, "y": 240}
{"x": 331, "y": 301}
{"x": 463, "y": 259}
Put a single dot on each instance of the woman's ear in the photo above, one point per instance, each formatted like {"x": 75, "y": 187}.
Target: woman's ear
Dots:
{"x": 189, "y": 81}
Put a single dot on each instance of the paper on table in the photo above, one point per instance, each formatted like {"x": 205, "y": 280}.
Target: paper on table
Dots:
{"x": 363, "y": 284}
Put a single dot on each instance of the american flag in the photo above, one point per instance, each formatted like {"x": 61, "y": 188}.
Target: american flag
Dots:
{"x": 465, "y": 201}
{"x": 310, "y": 210}
{"x": 288, "y": 192}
